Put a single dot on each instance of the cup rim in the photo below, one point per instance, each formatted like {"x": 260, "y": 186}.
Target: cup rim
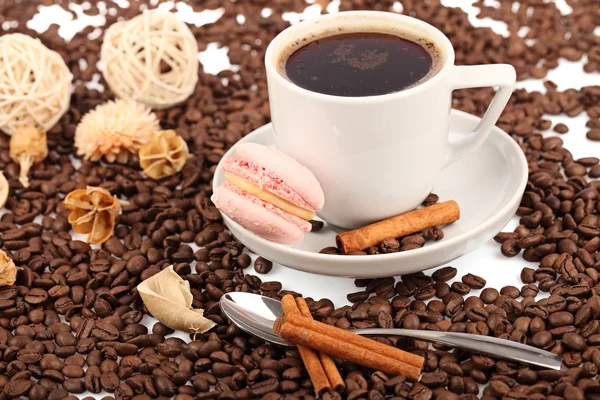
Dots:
{"x": 273, "y": 75}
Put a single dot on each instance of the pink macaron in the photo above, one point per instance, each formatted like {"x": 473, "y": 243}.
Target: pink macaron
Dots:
{"x": 269, "y": 193}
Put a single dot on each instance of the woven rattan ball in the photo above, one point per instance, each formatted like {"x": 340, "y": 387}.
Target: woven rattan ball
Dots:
{"x": 35, "y": 84}
{"x": 152, "y": 59}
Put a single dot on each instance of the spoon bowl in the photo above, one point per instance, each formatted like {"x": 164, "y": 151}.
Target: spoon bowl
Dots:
{"x": 254, "y": 314}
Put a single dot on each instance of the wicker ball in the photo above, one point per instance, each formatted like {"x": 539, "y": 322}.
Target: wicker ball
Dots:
{"x": 35, "y": 84}
{"x": 152, "y": 59}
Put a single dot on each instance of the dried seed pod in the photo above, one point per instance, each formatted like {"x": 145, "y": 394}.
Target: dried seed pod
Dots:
{"x": 114, "y": 130}
{"x": 164, "y": 155}
{"x": 4, "y": 189}
{"x": 93, "y": 211}
{"x": 8, "y": 270}
{"x": 168, "y": 298}
{"x": 27, "y": 147}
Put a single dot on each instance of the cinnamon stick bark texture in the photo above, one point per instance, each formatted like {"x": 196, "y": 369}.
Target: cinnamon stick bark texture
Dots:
{"x": 400, "y": 225}
{"x": 348, "y": 346}
{"x": 331, "y": 370}
{"x": 311, "y": 360}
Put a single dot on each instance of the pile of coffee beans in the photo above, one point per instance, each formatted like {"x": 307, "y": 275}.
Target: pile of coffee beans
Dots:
{"x": 74, "y": 322}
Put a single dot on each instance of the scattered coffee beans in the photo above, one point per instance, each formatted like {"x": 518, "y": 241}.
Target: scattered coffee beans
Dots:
{"x": 74, "y": 322}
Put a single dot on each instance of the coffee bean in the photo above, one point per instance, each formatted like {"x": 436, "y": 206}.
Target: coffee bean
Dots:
{"x": 574, "y": 341}
{"x": 541, "y": 339}
{"x": 104, "y": 331}
{"x": 357, "y": 296}
{"x": 593, "y": 134}
{"x": 460, "y": 288}
{"x": 38, "y": 392}
{"x": 561, "y": 128}
{"x": 316, "y": 225}
{"x": 425, "y": 293}
{"x": 73, "y": 371}
{"x": 262, "y": 266}
{"x": 51, "y": 361}
{"x": 92, "y": 379}
{"x": 420, "y": 392}
{"x": 510, "y": 291}
{"x": 444, "y": 274}
{"x": 473, "y": 281}
{"x": 29, "y": 355}
{"x": 65, "y": 339}
{"x": 489, "y": 295}
{"x": 73, "y": 385}
{"x": 560, "y": 318}
{"x": 109, "y": 381}
{"x": 509, "y": 248}
{"x": 434, "y": 379}
{"x": 164, "y": 386}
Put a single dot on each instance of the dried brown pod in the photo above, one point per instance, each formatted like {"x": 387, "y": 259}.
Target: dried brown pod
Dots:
{"x": 93, "y": 211}
{"x": 164, "y": 155}
{"x": 4, "y": 189}
{"x": 8, "y": 270}
{"x": 27, "y": 147}
{"x": 168, "y": 298}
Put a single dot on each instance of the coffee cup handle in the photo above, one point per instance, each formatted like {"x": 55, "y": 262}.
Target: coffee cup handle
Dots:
{"x": 502, "y": 76}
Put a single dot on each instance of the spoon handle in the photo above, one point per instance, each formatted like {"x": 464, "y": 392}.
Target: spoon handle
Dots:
{"x": 478, "y": 344}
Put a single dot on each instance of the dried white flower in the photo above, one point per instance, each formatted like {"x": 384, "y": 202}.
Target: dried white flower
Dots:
{"x": 115, "y": 130}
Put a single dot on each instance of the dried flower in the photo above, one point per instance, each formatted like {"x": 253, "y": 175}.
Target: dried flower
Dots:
{"x": 164, "y": 155}
{"x": 114, "y": 130}
{"x": 8, "y": 271}
{"x": 27, "y": 147}
{"x": 168, "y": 298}
{"x": 93, "y": 211}
{"x": 4, "y": 189}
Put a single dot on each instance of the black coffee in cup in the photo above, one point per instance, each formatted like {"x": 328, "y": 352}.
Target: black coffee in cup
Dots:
{"x": 356, "y": 64}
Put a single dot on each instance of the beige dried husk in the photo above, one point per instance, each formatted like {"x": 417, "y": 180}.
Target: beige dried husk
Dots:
{"x": 115, "y": 130}
{"x": 35, "y": 84}
{"x": 4, "y": 189}
{"x": 93, "y": 211}
{"x": 164, "y": 156}
{"x": 8, "y": 270}
{"x": 152, "y": 58}
{"x": 168, "y": 298}
{"x": 28, "y": 146}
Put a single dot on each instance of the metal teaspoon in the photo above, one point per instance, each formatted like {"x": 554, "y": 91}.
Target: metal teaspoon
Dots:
{"x": 256, "y": 314}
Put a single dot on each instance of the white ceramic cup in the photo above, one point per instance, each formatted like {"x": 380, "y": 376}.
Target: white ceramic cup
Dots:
{"x": 376, "y": 156}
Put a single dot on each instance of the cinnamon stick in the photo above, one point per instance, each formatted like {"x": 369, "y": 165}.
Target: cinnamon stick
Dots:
{"x": 307, "y": 332}
{"x": 311, "y": 360}
{"x": 349, "y": 346}
{"x": 331, "y": 370}
{"x": 400, "y": 225}
{"x": 349, "y": 337}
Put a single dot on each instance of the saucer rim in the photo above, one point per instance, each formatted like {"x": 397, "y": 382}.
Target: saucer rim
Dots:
{"x": 399, "y": 256}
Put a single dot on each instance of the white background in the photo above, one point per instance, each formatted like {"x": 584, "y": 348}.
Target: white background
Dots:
{"x": 487, "y": 261}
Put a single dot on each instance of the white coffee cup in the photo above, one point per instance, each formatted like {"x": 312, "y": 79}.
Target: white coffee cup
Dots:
{"x": 376, "y": 156}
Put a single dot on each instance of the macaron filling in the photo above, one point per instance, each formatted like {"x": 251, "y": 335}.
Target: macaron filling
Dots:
{"x": 302, "y": 224}
{"x": 269, "y": 197}
{"x": 267, "y": 181}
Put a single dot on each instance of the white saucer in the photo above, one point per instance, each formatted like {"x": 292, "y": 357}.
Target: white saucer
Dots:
{"x": 487, "y": 185}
